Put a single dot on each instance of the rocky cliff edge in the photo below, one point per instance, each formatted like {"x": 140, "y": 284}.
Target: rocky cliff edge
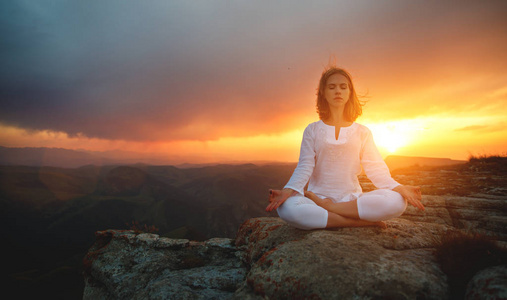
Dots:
{"x": 271, "y": 260}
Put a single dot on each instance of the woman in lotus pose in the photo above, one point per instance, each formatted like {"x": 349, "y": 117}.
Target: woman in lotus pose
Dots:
{"x": 332, "y": 153}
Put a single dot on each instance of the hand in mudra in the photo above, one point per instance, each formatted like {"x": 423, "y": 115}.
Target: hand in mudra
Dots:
{"x": 410, "y": 193}
{"x": 277, "y": 197}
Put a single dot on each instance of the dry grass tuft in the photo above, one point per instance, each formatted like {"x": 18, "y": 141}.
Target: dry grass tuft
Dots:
{"x": 493, "y": 163}
{"x": 137, "y": 228}
{"x": 461, "y": 255}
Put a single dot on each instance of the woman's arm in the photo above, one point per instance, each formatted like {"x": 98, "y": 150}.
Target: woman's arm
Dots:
{"x": 277, "y": 197}
{"x": 378, "y": 172}
{"x": 301, "y": 174}
{"x": 373, "y": 164}
{"x": 306, "y": 162}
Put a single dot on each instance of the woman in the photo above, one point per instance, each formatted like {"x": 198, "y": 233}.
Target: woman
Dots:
{"x": 332, "y": 153}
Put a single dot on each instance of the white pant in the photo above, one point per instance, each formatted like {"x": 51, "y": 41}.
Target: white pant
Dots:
{"x": 377, "y": 205}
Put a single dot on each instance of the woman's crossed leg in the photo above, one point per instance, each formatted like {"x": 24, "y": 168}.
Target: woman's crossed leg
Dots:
{"x": 375, "y": 206}
{"x": 303, "y": 213}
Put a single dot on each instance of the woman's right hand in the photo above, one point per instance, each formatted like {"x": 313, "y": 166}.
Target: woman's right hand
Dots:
{"x": 277, "y": 197}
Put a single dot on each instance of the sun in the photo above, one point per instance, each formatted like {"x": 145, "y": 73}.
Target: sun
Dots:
{"x": 390, "y": 141}
{"x": 391, "y": 136}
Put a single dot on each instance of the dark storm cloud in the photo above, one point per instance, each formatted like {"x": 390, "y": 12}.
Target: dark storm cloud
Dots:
{"x": 110, "y": 69}
{"x": 195, "y": 70}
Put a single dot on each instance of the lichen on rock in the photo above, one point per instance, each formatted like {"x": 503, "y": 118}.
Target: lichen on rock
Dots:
{"x": 340, "y": 264}
{"x": 125, "y": 265}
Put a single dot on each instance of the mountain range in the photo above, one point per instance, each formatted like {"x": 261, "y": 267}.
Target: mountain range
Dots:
{"x": 67, "y": 158}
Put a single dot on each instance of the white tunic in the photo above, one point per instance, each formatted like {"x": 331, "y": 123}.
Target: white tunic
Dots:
{"x": 332, "y": 166}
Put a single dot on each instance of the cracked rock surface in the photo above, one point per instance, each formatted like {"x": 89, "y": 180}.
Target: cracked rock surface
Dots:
{"x": 126, "y": 265}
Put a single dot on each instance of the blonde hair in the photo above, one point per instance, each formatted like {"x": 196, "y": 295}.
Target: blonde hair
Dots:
{"x": 353, "y": 107}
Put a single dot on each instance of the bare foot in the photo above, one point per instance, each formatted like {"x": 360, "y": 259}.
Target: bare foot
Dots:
{"x": 381, "y": 224}
{"x": 316, "y": 199}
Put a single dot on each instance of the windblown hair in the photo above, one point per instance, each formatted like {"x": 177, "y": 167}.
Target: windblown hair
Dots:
{"x": 353, "y": 107}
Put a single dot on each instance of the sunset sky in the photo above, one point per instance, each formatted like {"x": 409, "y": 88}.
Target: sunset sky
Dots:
{"x": 210, "y": 81}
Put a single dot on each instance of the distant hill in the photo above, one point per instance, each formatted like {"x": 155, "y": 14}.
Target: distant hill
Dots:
{"x": 56, "y": 157}
{"x": 66, "y": 158}
{"x": 397, "y": 162}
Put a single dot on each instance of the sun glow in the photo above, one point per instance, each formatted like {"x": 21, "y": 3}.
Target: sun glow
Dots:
{"x": 391, "y": 136}
{"x": 446, "y": 136}
{"x": 440, "y": 136}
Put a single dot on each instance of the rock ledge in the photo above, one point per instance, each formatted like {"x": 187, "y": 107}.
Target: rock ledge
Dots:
{"x": 270, "y": 259}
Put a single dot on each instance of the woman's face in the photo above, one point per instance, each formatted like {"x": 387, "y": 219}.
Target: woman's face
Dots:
{"x": 337, "y": 90}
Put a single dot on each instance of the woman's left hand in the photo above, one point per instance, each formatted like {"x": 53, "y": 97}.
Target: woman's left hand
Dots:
{"x": 410, "y": 193}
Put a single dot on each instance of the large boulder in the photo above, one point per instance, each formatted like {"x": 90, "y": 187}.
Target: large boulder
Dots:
{"x": 345, "y": 263}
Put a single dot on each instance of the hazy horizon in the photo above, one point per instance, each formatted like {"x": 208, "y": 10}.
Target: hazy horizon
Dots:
{"x": 68, "y": 158}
